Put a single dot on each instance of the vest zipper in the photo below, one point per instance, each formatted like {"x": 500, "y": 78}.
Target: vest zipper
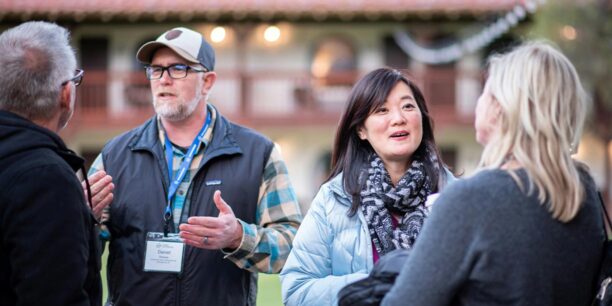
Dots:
{"x": 178, "y": 290}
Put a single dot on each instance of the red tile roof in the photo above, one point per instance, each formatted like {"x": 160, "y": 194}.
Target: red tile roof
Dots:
{"x": 237, "y": 8}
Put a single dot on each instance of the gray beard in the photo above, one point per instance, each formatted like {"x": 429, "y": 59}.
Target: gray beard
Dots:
{"x": 177, "y": 113}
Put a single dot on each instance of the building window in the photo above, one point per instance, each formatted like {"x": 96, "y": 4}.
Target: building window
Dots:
{"x": 449, "y": 156}
{"x": 439, "y": 85}
{"x": 334, "y": 62}
{"x": 137, "y": 91}
{"x": 93, "y": 96}
{"x": 395, "y": 57}
{"x": 334, "y": 70}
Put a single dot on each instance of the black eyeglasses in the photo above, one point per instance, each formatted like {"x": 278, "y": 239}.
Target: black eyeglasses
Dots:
{"x": 176, "y": 71}
{"x": 77, "y": 78}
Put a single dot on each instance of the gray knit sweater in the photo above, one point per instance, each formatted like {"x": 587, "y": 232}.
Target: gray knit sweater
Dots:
{"x": 487, "y": 243}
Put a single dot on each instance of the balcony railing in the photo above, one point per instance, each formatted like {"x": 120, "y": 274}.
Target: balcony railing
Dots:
{"x": 108, "y": 98}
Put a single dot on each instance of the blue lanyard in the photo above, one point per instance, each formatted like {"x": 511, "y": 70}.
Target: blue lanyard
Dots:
{"x": 174, "y": 183}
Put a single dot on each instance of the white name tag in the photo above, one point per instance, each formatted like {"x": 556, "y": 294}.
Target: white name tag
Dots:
{"x": 164, "y": 254}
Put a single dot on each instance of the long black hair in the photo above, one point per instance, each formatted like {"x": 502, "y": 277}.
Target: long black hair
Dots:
{"x": 350, "y": 153}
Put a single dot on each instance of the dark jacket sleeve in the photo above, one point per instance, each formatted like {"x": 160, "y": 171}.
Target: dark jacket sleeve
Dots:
{"x": 46, "y": 233}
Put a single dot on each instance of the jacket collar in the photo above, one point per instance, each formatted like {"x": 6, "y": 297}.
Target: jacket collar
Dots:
{"x": 26, "y": 135}
{"x": 335, "y": 186}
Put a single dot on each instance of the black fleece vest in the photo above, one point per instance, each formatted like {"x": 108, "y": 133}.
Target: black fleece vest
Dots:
{"x": 233, "y": 163}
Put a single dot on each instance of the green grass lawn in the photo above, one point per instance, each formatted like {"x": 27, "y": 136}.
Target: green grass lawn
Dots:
{"x": 269, "y": 290}
{"x": 268, "y": 294}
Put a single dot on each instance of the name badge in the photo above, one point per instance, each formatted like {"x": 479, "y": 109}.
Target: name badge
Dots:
{"x": 164, "y": 254}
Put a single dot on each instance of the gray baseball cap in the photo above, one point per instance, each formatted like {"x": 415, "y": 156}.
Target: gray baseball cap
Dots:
{"x": 187, "y": 43}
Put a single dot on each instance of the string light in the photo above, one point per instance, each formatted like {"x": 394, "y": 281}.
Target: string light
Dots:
{"x": 272, "y": 33}
{"x": 568, "y": 32}
{"x": 473, "y": 43}
{"x": 217, "y": 35}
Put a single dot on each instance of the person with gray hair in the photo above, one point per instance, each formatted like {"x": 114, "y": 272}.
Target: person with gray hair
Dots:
{"x": 49, "y": 254}
{"x": 527, "y": 228}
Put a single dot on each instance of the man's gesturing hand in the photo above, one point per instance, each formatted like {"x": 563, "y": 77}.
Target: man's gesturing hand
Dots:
{"x": 222, "y": 232}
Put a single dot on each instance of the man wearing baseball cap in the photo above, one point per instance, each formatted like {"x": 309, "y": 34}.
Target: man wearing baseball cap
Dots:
{"x": 199, "y": 204}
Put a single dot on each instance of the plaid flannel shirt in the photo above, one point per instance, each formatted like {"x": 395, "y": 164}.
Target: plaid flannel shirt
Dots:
{"x": 265, "y": 245}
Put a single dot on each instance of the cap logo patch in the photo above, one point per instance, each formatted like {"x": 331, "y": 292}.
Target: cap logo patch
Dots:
{"x": 173, "y": 34}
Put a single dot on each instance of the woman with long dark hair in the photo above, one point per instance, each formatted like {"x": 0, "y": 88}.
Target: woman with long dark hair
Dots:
{"x": 385, "y": 164}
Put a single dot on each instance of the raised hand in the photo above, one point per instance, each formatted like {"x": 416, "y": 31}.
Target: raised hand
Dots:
{"x": 102, "y": 186}
{"x": 221, "y": 232}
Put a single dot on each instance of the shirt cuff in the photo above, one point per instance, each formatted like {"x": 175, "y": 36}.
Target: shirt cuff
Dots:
{"x": 247, "y": 244}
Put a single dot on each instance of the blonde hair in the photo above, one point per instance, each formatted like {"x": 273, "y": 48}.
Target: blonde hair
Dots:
{"x": 543, "y": 106}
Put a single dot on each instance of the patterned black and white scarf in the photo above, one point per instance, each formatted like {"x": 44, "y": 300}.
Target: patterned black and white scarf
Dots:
{"x": 379, "y": 197}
